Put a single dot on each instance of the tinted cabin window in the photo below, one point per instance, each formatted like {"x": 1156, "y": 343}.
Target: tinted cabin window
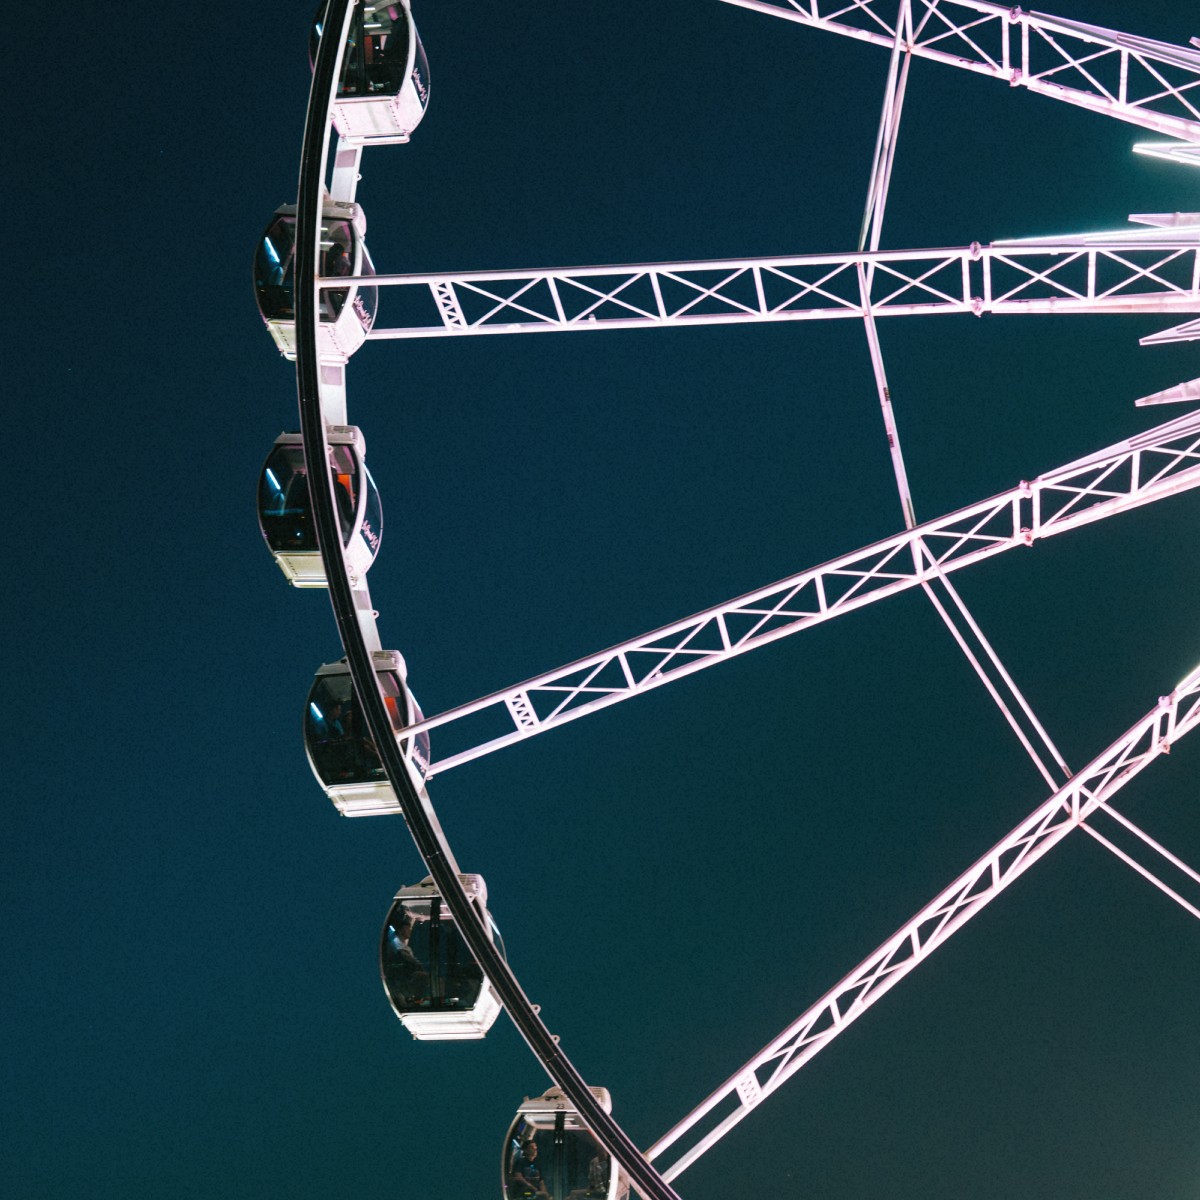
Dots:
{"x": 273, "y": 269}
{"x": 366, "y": 298}
{"x": 426, "y": 964}
{"x": 336, "y": 734}
{"x": 371, "y": 530}
{"x": 376, "y": 52}
{"x": 571, "y": 1162}
{"x": 274, "y": 263}
{"x": 420, "y": 74}
{"x": 284, "y": 505}
{"x": 284, "y": 508}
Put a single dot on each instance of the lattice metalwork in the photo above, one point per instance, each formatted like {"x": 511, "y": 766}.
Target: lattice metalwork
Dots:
{"x": 1145, "y": 82}
{"x": 1137, "y": 471}
{"x": 1173, "y": 716}
{"x": 1118, "y": 272}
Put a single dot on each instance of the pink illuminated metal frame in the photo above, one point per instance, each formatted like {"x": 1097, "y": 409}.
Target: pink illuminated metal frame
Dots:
{"x": 1068, "y": 808}
{"x": 1125, "y": 273}
{"x": 1162, "y": 462}
{"x": 1151, "y": 267}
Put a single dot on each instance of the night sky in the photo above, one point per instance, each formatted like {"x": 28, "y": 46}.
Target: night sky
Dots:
{"x": 190, "y": 987}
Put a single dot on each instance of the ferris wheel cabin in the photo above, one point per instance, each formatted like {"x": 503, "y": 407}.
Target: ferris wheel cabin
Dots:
{"x": 432, "y": 980}
{"x": 549, "y": 1152}
{"x": 384, "y": 87}
{"x": 340, "y": 750}
{"x": 285, "y": 513}
{"x": 347, "y": 313}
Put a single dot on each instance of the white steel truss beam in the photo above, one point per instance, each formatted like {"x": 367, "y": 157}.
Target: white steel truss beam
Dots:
{"x": 1122, "y": 272}
{"x": 1152, "y": 84}
{"x": 913, "y": 942}
{"x": 1187, "y": 153}
{"x": 1181, "y": 393}
{"x": 1189, "y": 331}
{"x": 1161, "y": 462}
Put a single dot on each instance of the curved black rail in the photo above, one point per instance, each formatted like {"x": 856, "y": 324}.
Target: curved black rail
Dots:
{"x": 642, "y": 1175}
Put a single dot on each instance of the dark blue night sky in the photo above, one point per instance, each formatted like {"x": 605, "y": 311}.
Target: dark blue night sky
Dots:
{"x": 190, "y": 983}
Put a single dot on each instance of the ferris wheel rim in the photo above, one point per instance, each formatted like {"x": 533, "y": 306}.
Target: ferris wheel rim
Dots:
{"x": 342, "y": 585}
{"x": 426, "y": 834}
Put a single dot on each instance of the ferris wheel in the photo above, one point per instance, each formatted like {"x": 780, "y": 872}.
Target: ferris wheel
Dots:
{"x": 371, "y": 747}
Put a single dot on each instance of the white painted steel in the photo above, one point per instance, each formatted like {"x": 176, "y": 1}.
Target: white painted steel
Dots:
{"x": 1124, "y": 272}
{"x": 1134, "y": 79}
{"x": 1189, "y": 331}
{"x": 1173, "y": 716}
{"x": 1154, "y": 269}
{"x": 1136, "y": 471}
{"x": 1187, "y": 153}
{"x": 1144, "y": 871}
{"x": 1158, "y": 848}
{"x": 998, "y": 683}
{"x": 947, "y": 603}
{"x": 1181, "y": 393}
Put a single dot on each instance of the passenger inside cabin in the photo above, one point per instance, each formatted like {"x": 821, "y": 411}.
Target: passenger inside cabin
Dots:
{"x": 526, "y": 1179}
{"x": 407, "y": 979}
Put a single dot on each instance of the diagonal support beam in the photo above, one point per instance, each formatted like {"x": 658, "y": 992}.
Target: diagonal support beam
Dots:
{"x": 941, "y": 592}
{"x": 1173, "y": 717}
{"x": 999, "y": 684}
{"x": 1139, "y": 470}
{"x": 1187, "y": 153}
{"x": 1189, "y": 331}
{"x": 1181, "y": 393}
{"x": 1152, "y": 84}
{"x": 1142, "y": 870}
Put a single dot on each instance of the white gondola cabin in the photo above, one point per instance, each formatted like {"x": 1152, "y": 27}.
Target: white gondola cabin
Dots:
{"x": 340, "y": 750}
{"x": 285, "y": 513}
{"x": 549, "y": 1153}
{"x": 346, "y": 313}
{"x": 432, "y": 981}
{"x": 384, "y": 86}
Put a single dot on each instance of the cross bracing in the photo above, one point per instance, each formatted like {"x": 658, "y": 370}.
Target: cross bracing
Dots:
{"x": 1150, "y": 466}
{"x": 1152, "y": 84}
{"x": 1122, "y": 272}
{"x": 1069, "y": 807}
{"x": 1147, "y": 83}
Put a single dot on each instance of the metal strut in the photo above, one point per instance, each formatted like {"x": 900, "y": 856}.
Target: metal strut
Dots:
{"x": 941, "y": 593}
{"x": 1084, "y": 794}
{"x": 1114, "y": 272}
{"x": 1121, "y": 75}
{"x": 1139, "y": 470}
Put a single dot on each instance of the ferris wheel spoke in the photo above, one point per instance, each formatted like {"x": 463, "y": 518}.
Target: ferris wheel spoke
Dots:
{"x": 996, "y": 680}
{"x": 889, "y": 129}
{"x": 1144, "y": 270}
{"x": 1187, "y": 153}
{"x": 942, "y": 594}
{"x": 1139, "y": 867}
{"x": 1084, "y": 794}
{"x": 1139, "y": 470}
{"x": 1139, "y": 80}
